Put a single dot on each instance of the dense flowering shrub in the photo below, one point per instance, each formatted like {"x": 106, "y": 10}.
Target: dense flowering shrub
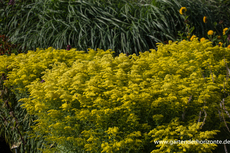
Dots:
{"x": 94, "y": 102}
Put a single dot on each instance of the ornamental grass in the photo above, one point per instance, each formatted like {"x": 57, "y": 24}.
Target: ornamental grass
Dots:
{"x": 123, "y": 26}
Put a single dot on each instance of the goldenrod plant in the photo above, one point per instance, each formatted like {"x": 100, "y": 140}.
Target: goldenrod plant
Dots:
{"x": 95, "y": 102}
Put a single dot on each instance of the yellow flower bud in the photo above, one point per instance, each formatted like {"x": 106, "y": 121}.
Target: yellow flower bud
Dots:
{"x": 210, "y": 32}
{"x": 183, "y": 10}
{"x": 194, "y": 36}
{"x": 220, "y": 44}
{"x": 224, "y": 31}
{"x": 205, "y": 19}
{"x": 202, "y": 39}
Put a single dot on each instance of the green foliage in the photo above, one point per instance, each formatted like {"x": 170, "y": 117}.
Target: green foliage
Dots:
{"x": 93, "y": 102}
{"x": 216, "y": 11}
{"x": 125, "y": 26}
{"x": 196, "y": 11}
{"x": 7, "y": 11}
{"x": 219, "y": 37}
{"x": 221, "y": 10}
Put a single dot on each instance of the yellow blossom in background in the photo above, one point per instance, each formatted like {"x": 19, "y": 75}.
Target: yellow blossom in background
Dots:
{"x": 202, "y": 39}
{"x": 210, "y": 32}
{"x": 220, "y": 44}
{"x": 218, "y": 37}
{"x": 183, "y": 10}
{"x": 194, "y": 36}
{"x": 228, "y": 46}
{"x": 224, "y": 31}
{"x": 205, "y": 19}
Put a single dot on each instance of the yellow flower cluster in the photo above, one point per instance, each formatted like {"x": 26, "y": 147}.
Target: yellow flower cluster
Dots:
{"x": 99, "y": 103}
{"x": 166, "y": 133}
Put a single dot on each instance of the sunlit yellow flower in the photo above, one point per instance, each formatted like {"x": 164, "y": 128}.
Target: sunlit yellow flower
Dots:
{"x": 205, "y": 19}
{"x": 220, "y": 44}
{"x": 225, "y": 29}
{"x": 194, "y": 36}
{"x": 183, "y": 10}
{"x": 210, "y": 32}
{"x": 202, "y": 39}
{"x": 218, "y": 37}
{"x": 228, "y": 46}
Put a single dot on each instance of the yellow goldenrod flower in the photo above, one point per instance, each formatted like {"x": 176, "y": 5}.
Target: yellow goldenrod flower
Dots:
{"x": 220, "y": 44}
{"x": 205, "y": 19}
{"x": 228, "y": 46}
{"x": 194, "y": 36}
{"x": 218, "y": 37}
{"x": 202, "y": 39}
{"x": 210, "y": 32}
{"x": 225, "y": 29}
{"x": 183, "y": 10}
{"x": 76, "y": 80}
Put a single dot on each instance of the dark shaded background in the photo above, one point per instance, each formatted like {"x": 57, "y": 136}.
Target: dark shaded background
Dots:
{"x": 4, "y": 148}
